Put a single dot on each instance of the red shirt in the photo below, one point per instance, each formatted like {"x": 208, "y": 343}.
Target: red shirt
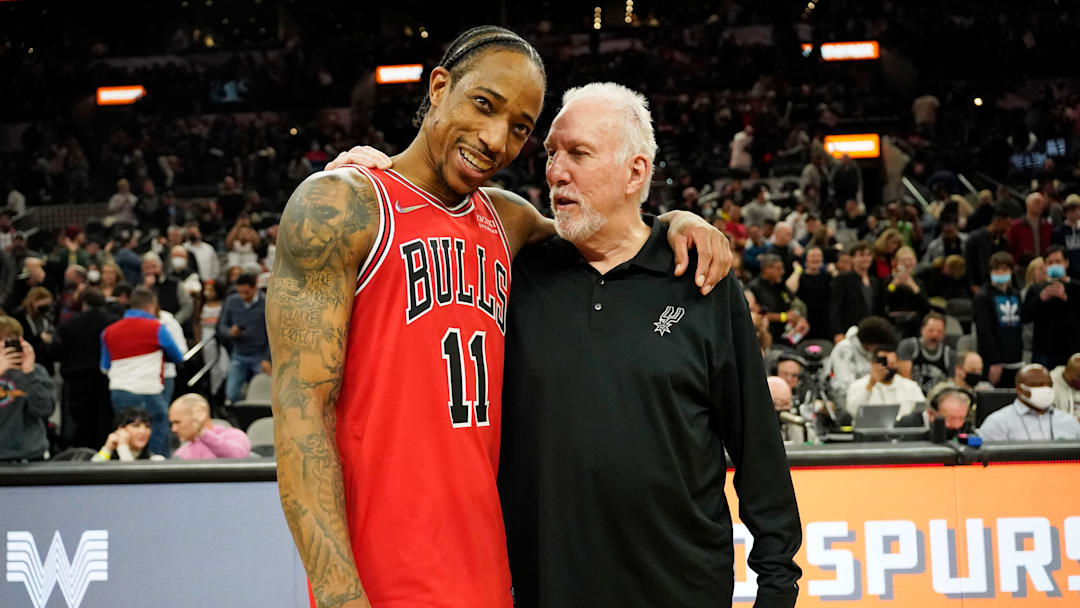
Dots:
{"x": 1022, "y": 238}
{"x": 419, "y": 414}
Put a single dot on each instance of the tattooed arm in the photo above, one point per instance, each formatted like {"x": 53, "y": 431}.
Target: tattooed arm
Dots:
{"x": 327, "y": 228}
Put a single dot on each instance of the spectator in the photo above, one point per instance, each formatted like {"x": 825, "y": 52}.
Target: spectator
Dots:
{"x": 209, "y": 315}
{"x": 133, "y": 353}
{"x": 969, "y": 372}
{"x": 947, "y": 278}
{"x": 209, "y": 266}
{"x": 782, "y": 402}
{"x": 904, "y": 298}
{"x": 850, "y": 359}
{"x": 230, "y": 200}
{"x": 75, "y": 281}
{"x": 1032, "y": 416}
{"x": 985, "y": 242}
{"x": 813, "y": 286}
{"x": 929, "y": 360}
{"x": 201, "y": 439}
{"x": 1068, "y": 234}
{"x": 122, "y": 204}
{"x": 128, "y": 442}
{"x": 1023, "y": 242}
{"x": 85, "y": 389}
{"x": 1052, "y": 306}
{"x": 7, "y": 230}
{"x": 27, "y": 390}
{"x": 111, "y": 276}
{"x": 243, "y": 322}
{"x": 760, "y": 209}
{"x": 847, "y": 180}
{"x": 924, "y": 113}
{"x": 241, "y": 243}
{"x": 984, "y": 211}
{"x": 168, "y": 375}
{"x": 855, "y": 294}
{"x": 33, "y": 275}
{"x": 755, "y": 246}
{"x": 170, "y": 293}
{"x": 126, "y": 258}
{"x": 789, "y": 369}
{"x": 119, "y": 303}
{"x": 19, "y": 252}
{"x": 950, "y": 242}
{"x": 883, "y": 385}
{"x": 885, "y": 247}
{"x": 741, "y": 161}
{"x": 182, "y": 269}
{"x": 814, "y": 181}
{"x": 947, "y": 401}
{"x": 784, "y": 246}
{"x": 38, "y": 329}
{"x": 786, "y": 323}
{"x": 996, "y": 309}
{"x": 1066, "y": 381}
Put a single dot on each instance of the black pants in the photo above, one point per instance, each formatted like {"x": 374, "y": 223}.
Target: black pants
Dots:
{"x": 87, "y": 405}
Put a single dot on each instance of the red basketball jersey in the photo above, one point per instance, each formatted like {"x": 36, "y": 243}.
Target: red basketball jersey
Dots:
{"x": 419, "y": 413}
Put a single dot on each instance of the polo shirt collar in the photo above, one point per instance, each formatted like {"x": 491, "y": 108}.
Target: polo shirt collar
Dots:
{"x": 1024, "y": 410}
{"x": 654, "y": 256}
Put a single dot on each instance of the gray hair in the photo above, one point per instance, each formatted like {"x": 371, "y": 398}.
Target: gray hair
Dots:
{"x": 150, "y": 256}
{"x": 632, "y": 112}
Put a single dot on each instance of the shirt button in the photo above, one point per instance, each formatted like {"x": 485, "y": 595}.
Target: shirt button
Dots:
{"x": 601, "y": 281}
{"x": 598, "y": 306}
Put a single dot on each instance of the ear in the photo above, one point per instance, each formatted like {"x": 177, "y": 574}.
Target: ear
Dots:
{"x": 639, "y": 173}
{"x": 438, "y": 85}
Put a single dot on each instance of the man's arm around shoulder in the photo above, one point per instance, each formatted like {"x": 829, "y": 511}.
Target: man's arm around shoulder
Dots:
{"x": 328, "y": 227}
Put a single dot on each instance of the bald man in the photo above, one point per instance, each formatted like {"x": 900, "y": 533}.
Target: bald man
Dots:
{"x": 1029, "y": 236}
{"x": 1066, "y": 381}
{"x": 189, "y": 418}
{"x": 1032, "y": 416}
{"x": 780, "y": 391}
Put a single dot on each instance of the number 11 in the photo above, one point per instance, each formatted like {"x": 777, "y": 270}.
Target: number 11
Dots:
{"x": 460, "y": 408}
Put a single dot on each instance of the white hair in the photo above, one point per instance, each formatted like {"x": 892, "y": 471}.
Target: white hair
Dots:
{"x": 150, "y": 256}
{"x": 632, "y": 108}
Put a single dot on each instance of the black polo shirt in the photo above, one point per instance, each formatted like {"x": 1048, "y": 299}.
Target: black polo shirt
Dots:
{"x": 621, "y": 393}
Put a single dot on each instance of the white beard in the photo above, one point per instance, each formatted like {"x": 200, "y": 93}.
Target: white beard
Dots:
{"x": 578, "y": 227}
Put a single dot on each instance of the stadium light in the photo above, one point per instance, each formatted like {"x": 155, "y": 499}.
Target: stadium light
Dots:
{"x": 848, "y": 51}
{"x": 394, "y": 74}
{"x": 119, "y": 96}
{"x": 860, "y": 145}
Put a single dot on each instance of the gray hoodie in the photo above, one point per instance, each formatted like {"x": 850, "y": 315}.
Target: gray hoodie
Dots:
{"x": 26, "y": 401}
{"x": 847, "y": 361}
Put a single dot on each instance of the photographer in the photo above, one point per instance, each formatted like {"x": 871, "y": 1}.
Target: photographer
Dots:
{"x": 26, "y": 398}
{"x": 883, "y": 385}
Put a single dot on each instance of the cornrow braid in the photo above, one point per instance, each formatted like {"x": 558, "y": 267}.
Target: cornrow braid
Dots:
{"x": 468, "y": 46}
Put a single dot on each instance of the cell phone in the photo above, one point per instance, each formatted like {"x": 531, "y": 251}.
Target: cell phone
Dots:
{"x": 882, "y": 361}
{"x": 13, "y": 343}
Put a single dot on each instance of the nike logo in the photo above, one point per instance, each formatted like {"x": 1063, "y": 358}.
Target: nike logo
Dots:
{"x": 397, "y": 205}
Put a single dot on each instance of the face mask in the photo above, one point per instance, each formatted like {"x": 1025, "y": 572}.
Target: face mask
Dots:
{"x": 1055, "y": 271}
{"x": 43, "y": 309}
{"x": 179, "y": 263}
{"x": 1041, "y": 396}
{"x": 1001, "y": 279}
{"x": 93, "y": 276}
{"x": 971, "y": 379}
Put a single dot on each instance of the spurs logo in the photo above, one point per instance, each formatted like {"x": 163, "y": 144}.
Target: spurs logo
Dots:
{"x": 669, "y": 317}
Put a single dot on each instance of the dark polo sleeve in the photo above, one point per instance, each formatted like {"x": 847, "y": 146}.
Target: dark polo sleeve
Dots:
{"x": 751, "y": 434}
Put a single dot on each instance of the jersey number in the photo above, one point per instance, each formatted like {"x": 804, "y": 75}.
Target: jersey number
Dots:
{"x": 461, "y": 409}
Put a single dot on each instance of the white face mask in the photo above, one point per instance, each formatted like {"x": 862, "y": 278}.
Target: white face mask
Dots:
{"x": 93, "y": 276}
{"x": 179, "y": 263}
{"x": 1041, "y": 396}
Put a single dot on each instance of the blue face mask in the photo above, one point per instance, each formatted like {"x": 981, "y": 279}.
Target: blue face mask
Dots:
{"x": 1000, "y": 279}
{"x": 1055, "y": 271}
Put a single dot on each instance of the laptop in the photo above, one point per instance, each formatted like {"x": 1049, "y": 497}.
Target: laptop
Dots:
{"x": 876, "y": 416}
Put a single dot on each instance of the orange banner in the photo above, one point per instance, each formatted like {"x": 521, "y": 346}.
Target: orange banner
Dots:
{"x": 1003, "y": 535}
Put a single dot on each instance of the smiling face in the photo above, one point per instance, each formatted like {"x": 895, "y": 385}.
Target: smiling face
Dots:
{"x": 479, "y": 121}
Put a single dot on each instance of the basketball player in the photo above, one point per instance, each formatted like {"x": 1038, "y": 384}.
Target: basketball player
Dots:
{"x": 386, "y": 313}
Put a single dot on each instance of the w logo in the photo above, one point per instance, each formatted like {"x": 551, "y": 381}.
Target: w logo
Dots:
{"x": 90, "y": 563}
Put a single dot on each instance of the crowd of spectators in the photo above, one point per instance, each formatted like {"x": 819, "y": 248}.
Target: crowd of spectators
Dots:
{"x": 833, "y": 251}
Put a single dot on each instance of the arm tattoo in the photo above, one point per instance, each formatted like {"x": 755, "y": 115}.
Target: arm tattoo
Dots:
{"x": 327, "y": 228}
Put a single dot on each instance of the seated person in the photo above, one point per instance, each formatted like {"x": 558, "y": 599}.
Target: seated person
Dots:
{"x": 128, "y": 441}
{"x": 883, "y": 385}
{"x": 789, "y": 369}
{"x": 1066, "y": 379}
{"x": 969, "y": 372}
{"x": 189, "y": 417}
{"x": 27, "y": 392}
{"x": 1032, "y": 416}
{"x": 781, "y": 396}
{"x": 947, "y": 401}
{"x": 851, "y": 357}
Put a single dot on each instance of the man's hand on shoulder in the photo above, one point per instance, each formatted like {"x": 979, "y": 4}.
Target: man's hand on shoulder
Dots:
{"x": 365, "y": 156}
{"x": 715, "y": 259}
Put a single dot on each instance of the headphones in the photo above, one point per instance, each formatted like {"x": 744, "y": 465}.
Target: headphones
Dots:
{"x": 945, "y": 388}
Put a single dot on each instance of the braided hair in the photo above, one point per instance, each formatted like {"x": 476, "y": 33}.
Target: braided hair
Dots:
{"x": 463, "y": 51}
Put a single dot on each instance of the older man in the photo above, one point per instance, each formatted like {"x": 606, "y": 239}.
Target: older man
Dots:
{"x": 1066, "y": 380}
{"x": 949, "y": 402}
{"x": 613, "y": 475}
{"x": 1032, "y": 416}
{"x": 189, "y": 418}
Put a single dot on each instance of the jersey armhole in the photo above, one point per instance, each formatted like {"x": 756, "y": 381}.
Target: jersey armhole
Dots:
{"x": 385, "y": 237}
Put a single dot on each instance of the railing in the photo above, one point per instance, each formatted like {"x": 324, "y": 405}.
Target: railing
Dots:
{"x": 195, "y": 350}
